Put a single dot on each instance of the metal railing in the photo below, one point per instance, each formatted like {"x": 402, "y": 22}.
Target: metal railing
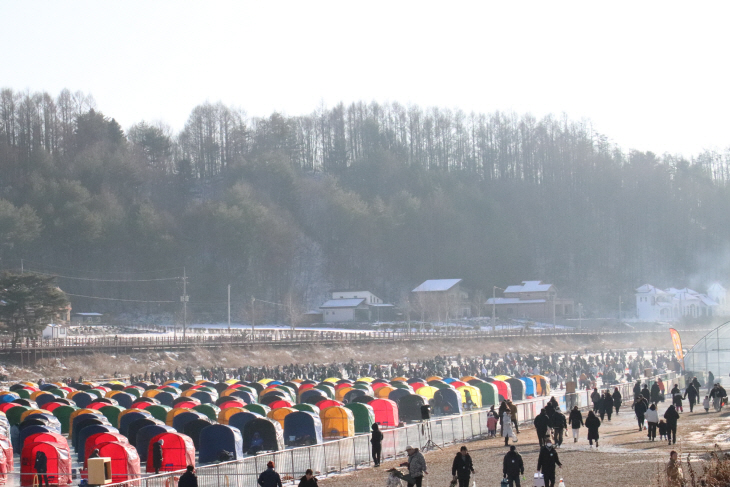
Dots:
{"x": 353, "y": 453}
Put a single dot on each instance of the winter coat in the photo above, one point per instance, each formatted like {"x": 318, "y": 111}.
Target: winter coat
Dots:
{"x": 462, "y": 466}
{"x": 617, "y": 398}
{"x": 376, "y": 437}
{"x": 512, "y": 464}
{"x": 706, "y": 403}
{"x": 593, "y": 423}
{"x": 41, "y": 462}
{"x": 492, "y": 423}
{"x": 655, "y": 392}
{"x": 541, "y": 422}
{"x": 595, "y": 397}
{"x": 640, "y": 408}
{"x": 269, "y": 478}
{"x": 652, "y": 416}
{"x": 645, "y": 392}
{"x": 675, "y": 476}
{"x": 558, "y": 421}
{"x": 188, "y": 479}
{"x": 691, "y": 393}
{"x": 506, "y": 425}
{"x": 303, "y": 482}
{"x": 416, "y": 464}
{"x": 671, "y": 416}
{"x": 662, "y": 428}
{"x": 637, "y": 389}
{"x": 576, "y": 419}
{"x": 547, "y": 460}
{"x": 157, "y": 456}
{"x": 608, "y": 402}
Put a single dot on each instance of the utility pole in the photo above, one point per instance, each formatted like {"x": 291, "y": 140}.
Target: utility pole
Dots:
{"x": 184, "y": 299}
{"x": 494, "y": 303}
{"x": 619, "y": 310}
{"x": 253, "y": 316}
{"x": 21, "y": 266}
{"x": 580, "y": 317}
{"x": 229, "y": 308}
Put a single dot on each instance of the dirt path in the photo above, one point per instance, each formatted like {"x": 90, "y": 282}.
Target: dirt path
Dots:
{"x": 625, "y": 457}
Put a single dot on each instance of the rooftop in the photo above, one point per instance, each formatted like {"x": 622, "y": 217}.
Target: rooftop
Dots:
{"x": 343, "y": 303}
{"x": 436, "y": 285}
{"x": 514, "y": 301}
{"x": 529, "y": 287}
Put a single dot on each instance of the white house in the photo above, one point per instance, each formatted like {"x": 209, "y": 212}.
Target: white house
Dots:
{"x": 532, "y": 300}
{"x": 347, "y": 305}
{"x": 55, "y": 331}
{"x": 344, "y": 310}
{"x": 721, "y": 296}
{"x": 442, "y": 299}
{"x": 671, "y": 304}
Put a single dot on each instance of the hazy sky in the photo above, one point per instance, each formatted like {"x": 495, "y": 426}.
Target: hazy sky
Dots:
{"x": 650, "y": 75}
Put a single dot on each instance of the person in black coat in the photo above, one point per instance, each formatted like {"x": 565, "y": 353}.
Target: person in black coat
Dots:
{"x": 592, "y": 423}
{"x": 616, "y": 399}
{"x": 188, "y": 479}
{"x": 546, "y": 463}
{"x": 596, "y": 398}
{"x": 637, "y": 388}
{"x": 513, "y": 467}
{"x": 41, "y": 467}
{"x": 309, "y": 480}
{"x": 640, "y": 407}
{"x": 576, "y": 421}
{"x": 542, "y": 423}
{"x": 654, "y": 393}
{"x": 677, "y": 398}
{"x": 157, "y": 455}
{"x": 376, "y": 440}
{"x": 608, "y": 404}
{"x": 269, "y": 477}
{"x": 692, "y": 394}
{"x": 558, "y": 424}
{"x": 462, "y": 467}
{"x": 645, "y": 392}
{"x": 671, "y": 416}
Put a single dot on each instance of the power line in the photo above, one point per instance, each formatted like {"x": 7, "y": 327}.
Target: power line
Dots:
{"x": 50, "y": 266}
{"x": 117, "y": 299}
{"x": 107, "y": 280}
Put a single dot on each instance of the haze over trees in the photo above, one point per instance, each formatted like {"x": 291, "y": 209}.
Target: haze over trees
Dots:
{"x": 373, "y": 196}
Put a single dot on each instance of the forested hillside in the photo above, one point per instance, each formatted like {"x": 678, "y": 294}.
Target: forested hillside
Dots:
{"x": 366, "y": 195}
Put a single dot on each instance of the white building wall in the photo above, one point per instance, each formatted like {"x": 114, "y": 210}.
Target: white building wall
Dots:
{"x": 336, "y": 315}
{"x": 369, "y": 297}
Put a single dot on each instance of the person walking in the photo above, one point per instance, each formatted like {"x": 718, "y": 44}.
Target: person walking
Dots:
{"x": 376, "y": 440}
{"x": 157, "y": 455}
{"x": 558, "y": 424}
{"x": 506, "y": 427}
{"x": 592, "y": 423}
{"x": 692, "y": 394}
{"x": 513, "y": 415}
{"x": 608, "y": 404}
{"x": 652, "y": 419}
{"x": 675, "y": 476}
{"x": 596, "y": 399}
{"x": 547, "y": 461}
{"x": 188, "y": 479}
{"x": 616, "y": 399}
{"x": 542, "y": 423}
{"x": 416, "y": 466}
{"x": 576, "y": 421}
{"x": 513, "y": 467}
{"x": 671, "y": 416}
{"x": 41, "y": 468}
{"x": 640, "y": 409}
{"x": 646, "y": 393}
{"x": 309, "y": 480}
{"x": 654, "y": 393}
{"x": 270, "y": 477}
{"x": 462, "y": 467}
{"x": 677, "y": 398}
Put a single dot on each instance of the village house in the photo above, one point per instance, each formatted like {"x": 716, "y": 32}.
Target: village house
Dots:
{"x": 360, "y": 306}
{"x": 534, "y": 301}
{"x": 441, "y": 300}
{"x": 671, "y": 304}
{"x": 721, "y": 296}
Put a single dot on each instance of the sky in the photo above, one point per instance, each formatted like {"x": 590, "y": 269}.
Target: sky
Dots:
{"x": 649, "y": 75}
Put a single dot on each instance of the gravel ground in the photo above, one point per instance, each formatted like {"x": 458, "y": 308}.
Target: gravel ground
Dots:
{"x": 625, "y": 457}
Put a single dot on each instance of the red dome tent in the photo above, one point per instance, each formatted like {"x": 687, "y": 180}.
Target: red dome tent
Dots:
{"x": 59, "y": 463}
{"x": 386, "y": 412}
{"x": 97, "y": 439}
{"x": 7, "y": 447}
{"x": 125, "y": 460}
{"x": 178, "y": 451}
